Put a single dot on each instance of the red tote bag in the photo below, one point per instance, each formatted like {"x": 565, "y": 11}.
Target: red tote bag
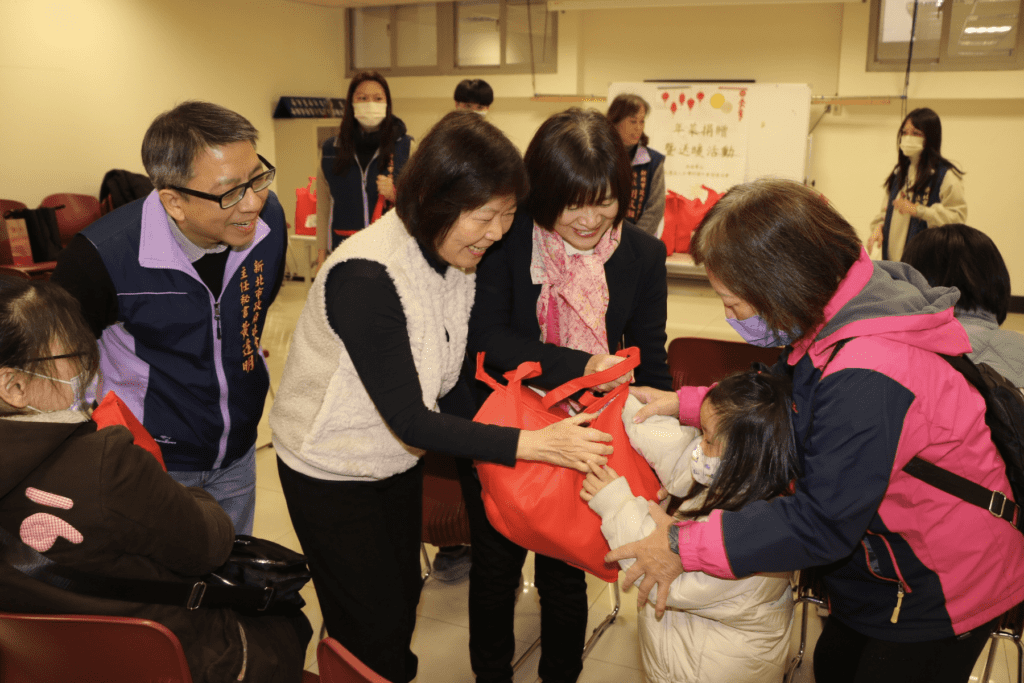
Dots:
{"x": 305, "y": 209}
{"x": 537, "y": 505}
{"x": 113, "y": 411}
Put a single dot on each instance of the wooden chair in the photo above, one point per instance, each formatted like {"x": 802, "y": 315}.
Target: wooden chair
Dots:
{"x": 338, "y": 665}
{"x": 55, "y": 648}
{"x": 694, "y": 361}
{"x": 79, "y": 211}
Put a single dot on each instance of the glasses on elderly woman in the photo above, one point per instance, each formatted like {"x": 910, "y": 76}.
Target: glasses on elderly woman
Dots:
{"x": 235, "y": 194}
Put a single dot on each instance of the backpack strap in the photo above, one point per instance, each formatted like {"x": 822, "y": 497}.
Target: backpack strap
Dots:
{"x": 994, "y": 501}
{"x": 955, "y": 485}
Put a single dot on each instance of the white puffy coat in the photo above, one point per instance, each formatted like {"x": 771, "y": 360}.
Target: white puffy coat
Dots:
{"x": 714, "y": 629}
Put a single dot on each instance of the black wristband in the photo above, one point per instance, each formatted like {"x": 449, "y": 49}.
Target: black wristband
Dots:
{"x": 673, "y": 538}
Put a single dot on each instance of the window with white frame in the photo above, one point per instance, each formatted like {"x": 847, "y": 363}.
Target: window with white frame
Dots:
{"x": 948, "y": 35}
{"x": 478, "y": 36}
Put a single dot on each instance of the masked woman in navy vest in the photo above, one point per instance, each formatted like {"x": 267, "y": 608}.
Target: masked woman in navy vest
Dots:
{"x": 647, "y": 197}
{"x": 359, "y": 165}
{"x": 923, "y": 191}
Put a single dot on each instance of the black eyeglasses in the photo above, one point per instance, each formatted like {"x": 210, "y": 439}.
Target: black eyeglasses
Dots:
{"x": 235, "y": 194}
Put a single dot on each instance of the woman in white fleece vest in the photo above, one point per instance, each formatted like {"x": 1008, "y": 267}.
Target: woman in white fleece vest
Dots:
{"x": 377, "y": 351}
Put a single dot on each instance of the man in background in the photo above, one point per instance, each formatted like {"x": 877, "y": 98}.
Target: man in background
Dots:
{"x": 474, "y": 94}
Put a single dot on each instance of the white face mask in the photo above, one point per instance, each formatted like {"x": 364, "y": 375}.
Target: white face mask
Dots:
{"x": 702, "y": 467}
{"x": 77, "y": 388}
{"x": 912, "y": 145}
{"x": 370, "y": 114}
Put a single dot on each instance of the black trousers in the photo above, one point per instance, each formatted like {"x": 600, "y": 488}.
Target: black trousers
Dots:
{"x": 843, "y": 655}
{"x": 493, "y": 582}
{"x": 362, "y": 540}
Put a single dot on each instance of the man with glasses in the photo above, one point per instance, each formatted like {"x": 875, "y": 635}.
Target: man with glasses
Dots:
{"x": 176, "y": 287}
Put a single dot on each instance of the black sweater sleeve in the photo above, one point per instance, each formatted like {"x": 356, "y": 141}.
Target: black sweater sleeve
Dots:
{"x": 363, "y": 308}
{"x": 81, "y": 272}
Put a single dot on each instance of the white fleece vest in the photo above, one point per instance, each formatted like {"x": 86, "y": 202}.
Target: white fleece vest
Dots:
{"x": 324, "y": 423}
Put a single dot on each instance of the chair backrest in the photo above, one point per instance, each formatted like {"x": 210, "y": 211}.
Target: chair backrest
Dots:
{"x": 10, "y": 205}
{"x": 79, "y": 211}
{"x": 338, "y": 665}
{"x": 694, "y": 361}
{"x": 55, "y": 648}
{"x": 445, "y": 519}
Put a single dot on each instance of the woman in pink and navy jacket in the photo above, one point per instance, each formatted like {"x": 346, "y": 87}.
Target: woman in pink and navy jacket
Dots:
{"x": 915, "y": 576}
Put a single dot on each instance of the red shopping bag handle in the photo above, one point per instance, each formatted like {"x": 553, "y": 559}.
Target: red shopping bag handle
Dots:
{"x": 632, "y": 356}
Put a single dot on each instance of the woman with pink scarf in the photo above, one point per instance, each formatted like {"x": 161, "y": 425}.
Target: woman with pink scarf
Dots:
{"x": 570, "y": 284}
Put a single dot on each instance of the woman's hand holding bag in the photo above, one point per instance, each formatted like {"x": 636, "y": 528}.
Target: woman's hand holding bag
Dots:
{"x": 537, "y": 504}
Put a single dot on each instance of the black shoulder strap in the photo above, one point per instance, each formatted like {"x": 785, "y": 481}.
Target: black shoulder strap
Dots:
{"x": 994, "y": 501}
{"x": 15, "y": 553}
{"x": 939, "y": 477}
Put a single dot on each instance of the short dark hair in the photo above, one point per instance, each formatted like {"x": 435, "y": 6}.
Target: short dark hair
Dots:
{"x": 574, "y": 159}
{"x": 459, "y": 166}
{"x": 960, "y": 256}
{"x": 627, "y": 105}
{"x": 34, "y": 315}
{"x": 780, "y": 247}
{"x": 474, "y": 91}
{"x": 759, "y": 459}
{"x": 177, "y": 137}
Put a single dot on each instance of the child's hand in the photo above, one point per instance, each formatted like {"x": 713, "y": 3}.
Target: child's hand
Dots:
{"x": 597, "y": 479}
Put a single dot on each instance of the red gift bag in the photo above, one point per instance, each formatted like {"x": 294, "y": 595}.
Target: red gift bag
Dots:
{"x": 688, "y": 215}
{"x": 305, "y": 209}
{"x": 113, "y": 411}
{"x": 668, "y": 232}
{"x": 537, "y": 505}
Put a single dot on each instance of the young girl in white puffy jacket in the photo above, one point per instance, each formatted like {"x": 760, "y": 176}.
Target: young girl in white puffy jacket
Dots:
{"x": 714, "y": 629}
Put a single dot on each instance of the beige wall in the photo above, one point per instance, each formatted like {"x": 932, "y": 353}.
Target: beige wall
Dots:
{"x": 83, "y": 78}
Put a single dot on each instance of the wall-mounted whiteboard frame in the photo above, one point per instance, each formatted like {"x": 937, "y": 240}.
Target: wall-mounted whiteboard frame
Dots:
{"x": 776, "y": 121}
{"x": 777, "y": 118}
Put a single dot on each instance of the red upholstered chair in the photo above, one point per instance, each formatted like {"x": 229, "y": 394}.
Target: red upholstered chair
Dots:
{"x": 56, "y": 648}
{"x": 445, "y": 520}
{"x": 10, "y": 205}
{"x": 699, "y": 362}
{"x": 338, "y": 665}
{"x": 79, "y": 211}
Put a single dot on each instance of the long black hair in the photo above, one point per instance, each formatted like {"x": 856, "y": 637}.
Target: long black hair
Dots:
{"x": 759, "y": 459}
{"x": 926, "y": 121}
{"x": 349, "y": 128}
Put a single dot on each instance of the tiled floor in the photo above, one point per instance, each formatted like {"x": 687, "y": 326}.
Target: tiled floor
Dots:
{"x": 442, "y": 636}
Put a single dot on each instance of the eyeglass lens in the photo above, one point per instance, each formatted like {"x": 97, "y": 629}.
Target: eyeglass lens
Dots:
{"x": 258, "y": 184}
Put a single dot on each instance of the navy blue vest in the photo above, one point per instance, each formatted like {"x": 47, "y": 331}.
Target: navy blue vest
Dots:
{"x": 355, "y": 200}
{"x": 188, "y": 358}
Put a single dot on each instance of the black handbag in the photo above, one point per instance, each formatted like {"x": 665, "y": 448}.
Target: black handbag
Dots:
{"x": 259, "y": 577}
{"x": 43, "y": 231}
{"x": 276, "y": 571}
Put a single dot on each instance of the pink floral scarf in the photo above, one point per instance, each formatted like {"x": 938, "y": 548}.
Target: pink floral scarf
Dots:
{"x": 573, "y": 299}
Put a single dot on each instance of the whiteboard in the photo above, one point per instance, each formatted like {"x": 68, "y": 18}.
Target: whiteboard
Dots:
{"x": 767, "y": 122}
